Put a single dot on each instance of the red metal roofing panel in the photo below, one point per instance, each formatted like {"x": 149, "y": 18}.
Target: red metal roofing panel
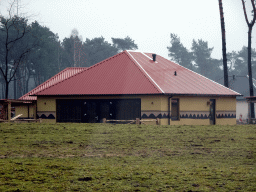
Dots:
{"x": 133, "y": 72}
{"x": 68, "y": 72}
{"x": 185, "y": 82}
{"x": 116, "y": 75}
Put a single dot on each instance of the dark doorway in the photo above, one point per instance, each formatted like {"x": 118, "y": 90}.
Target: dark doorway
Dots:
{"x": 175, "y": 109}
{"x": 68, "y": 110}
{"x": 212, "y": 111}
{"x": 94, "y": 110}
{"x": 127, "y": 109}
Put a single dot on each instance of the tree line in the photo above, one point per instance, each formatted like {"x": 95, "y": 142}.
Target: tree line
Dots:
{"x": 199, "y": 59}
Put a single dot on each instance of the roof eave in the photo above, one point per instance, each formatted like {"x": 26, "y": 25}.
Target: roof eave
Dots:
{"x": 201, "y": 95}
{"x": 168, "y": 94}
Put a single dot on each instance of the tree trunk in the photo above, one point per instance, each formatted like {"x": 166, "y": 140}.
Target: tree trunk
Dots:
{"x": 250, "y": 69}
{"x": 15, "y": 87}
{"x": 250, "y": 26}
{"x": 6, "y": 89}
{"x": 224, "y": 54}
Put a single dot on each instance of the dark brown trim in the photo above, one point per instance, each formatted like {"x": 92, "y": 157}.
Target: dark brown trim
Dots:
{"x": 195, "y": 95}
{"x": 167, "y": 94}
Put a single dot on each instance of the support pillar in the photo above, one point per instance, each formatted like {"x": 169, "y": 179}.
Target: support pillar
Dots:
{"x": 9, "y": 111}
{"x": 34, "y": 111}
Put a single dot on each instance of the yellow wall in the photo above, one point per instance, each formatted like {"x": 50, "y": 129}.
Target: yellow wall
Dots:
{"x": 23, "y": 109}
{"x": 226, "y": 104}
{"x": 194, "y": 103}
{"x": 223, "y": 105}
{"x": 158, "y": 104}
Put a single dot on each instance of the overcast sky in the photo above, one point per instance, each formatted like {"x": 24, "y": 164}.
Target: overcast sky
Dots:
{"x": 148, "y": 22}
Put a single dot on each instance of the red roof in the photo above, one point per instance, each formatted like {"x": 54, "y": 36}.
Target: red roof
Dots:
{"x": 132, "y": 72}
{"x": 55, "y": 79}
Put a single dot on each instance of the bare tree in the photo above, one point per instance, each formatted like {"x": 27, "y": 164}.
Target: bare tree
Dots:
{"x": 224, "y": 54}
{"x": 14, "y": 44}
{"x": 250, "y": 26}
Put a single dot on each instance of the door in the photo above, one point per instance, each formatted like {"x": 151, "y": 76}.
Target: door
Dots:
{"x": 175, "y": 109}
{"x": 94, "y": 110}
{"x": 127, "y": 109}
{"x": 212, "y": 111}
{"x": 68, "y": 110}
{"x": 90, "y": 111}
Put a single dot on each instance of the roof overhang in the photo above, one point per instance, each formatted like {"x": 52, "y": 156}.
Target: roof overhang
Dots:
{"x": 16, "y": 102}
{"x": 167, "y": 94}
{"x": 251, "y": 99}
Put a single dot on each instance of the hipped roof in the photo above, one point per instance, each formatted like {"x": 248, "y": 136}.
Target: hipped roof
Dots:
{"x": 132, "y": 72}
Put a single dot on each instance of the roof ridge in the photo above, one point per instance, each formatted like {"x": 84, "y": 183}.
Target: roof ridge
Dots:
{"x": 82, "y": 71}
{"x": 203, "y": 76}
{"x": 33, "y": 91}
{"x": 151, "y": 80}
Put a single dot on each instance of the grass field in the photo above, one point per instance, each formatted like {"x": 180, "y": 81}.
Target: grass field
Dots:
{"x": 106, "y": 157}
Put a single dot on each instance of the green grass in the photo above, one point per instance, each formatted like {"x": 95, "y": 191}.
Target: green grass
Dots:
{"x": 107, "y": 157}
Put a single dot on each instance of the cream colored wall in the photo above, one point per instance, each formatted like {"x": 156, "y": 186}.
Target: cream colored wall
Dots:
{"x": 226, "y": 104}
{"x": 200, "y": 105}
{"x": 153, "y": 103}
{"x": 194, "y": 103}
{"x": 46, "y": 104}
{"x": 21, "y": 110}
{"x": 159, "y": 104}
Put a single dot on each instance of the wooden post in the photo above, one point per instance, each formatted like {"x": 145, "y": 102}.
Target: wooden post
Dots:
{"x": 34, "y": 110}
{"x": 104, "y": 120}
{"x": 9, "y": 111}
{"x": 157, "y": 121}
{"x": 249, "y": 112}
{"x": 137, "y": 121}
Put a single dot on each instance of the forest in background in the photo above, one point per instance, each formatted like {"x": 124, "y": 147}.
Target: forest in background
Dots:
{"x": 199, "y": 59}
{"x": 31, "y": 53}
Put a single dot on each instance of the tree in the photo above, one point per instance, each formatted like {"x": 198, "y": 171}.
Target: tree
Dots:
{"x": 43, "y": 63}
{"x": 97, "y": 50}
{"x": 15, "y": 47}
{"x": 202, "y": 57}
{"x": 240, "y": 61}
{"x": 73, "y": 48}
{"x": 179, "y": 53}
{"x": 250, "y": 26}
{"x": 225, "y": 67}
{"x": 124, "y": 44}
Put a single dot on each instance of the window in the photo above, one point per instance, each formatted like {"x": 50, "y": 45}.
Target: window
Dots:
{"x": 175, "y": 110}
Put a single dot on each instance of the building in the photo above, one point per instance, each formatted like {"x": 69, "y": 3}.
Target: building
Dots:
{"x": 133, "y": 85}
{"x": 241, "y": 84}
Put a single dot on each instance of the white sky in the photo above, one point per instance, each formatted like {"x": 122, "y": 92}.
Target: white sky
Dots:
{"x": 148, "y": 22}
